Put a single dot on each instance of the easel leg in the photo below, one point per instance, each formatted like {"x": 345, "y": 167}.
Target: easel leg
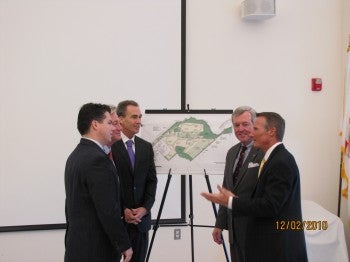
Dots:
{"x": 216, "y": 214}
{"x": 156, "y": 225}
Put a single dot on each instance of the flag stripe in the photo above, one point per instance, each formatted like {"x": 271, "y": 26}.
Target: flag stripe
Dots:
{"x": 345, "y": 139}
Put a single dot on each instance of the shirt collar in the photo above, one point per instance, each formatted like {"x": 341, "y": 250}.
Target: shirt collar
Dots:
{"x": 107, "y": 149}
{"x": 97, "y": 143}
{"x": 249, "y": 146}
{"x": 125, "y": 138}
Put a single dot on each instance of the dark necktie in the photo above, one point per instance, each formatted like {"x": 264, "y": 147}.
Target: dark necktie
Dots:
{"x": 131, "y": 152}
{"x": 239, "y": 164}
{"x": 110, "y": 155}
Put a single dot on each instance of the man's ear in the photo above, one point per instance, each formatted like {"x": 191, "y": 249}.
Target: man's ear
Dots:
{"x": 94, "y": 124}
{"x": 272, "y": 131}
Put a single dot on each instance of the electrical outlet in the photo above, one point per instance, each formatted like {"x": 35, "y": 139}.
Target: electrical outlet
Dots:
{"x": 177, "y": 234}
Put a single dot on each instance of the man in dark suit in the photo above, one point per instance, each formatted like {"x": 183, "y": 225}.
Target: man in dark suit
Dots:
{"x": 134, "y": 158}
{"x": 239, "y": 177}
{"x": 95, "y": 231}
{"x": 275, "y": 201}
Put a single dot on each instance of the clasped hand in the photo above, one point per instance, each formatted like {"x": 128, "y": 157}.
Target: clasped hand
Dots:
{"x": 133, "y": 216}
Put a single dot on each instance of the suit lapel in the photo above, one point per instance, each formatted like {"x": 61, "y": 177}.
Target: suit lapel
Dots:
{"x": 263, "y": 172}
{"x": 123, "y": 154}
{"x": 267, "y": 163}
{"x": 250, "y": 158}
{"x": 141, "y": 150}
{"x": 231, "y": 161}
{"x": 85, "y": 141}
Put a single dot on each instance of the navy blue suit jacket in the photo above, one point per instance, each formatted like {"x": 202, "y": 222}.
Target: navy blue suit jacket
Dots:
{"x": 138, "y": 186}
{"x": 276, "y": 198}
{"x": 95, "y": 230}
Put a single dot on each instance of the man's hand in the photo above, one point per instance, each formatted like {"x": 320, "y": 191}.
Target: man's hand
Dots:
{"x": 133, "y": 216}
{"x": 219, "y": 198}
{"x": 127, "y": 254}
{"x": 130, "y": 217}
{"x": 139, "y": 212}
{"x": 217, "y": 235}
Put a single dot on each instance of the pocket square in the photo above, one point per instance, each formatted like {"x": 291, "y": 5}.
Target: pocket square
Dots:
{"x": 251, "y": 164}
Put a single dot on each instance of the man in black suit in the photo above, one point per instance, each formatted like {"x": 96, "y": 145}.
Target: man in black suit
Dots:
{"x": 275, "y": 201}
{"x": 134, "y": 158}
{"x": 95, "y": 231}
{"x": 240, "y": 177}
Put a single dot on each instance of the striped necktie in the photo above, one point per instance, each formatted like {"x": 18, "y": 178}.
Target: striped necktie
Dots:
{"x": 239, "y": 163}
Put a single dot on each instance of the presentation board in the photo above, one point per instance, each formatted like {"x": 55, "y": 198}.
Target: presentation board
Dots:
{"x": 189, "y": 143}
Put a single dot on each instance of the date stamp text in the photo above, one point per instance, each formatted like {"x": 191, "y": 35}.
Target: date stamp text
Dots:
{"x": 297, "y": 225}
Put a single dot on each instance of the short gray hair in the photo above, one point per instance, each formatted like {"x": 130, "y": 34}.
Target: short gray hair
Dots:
{"x": 241, "y": 109}
{"x": 113, "y": 109}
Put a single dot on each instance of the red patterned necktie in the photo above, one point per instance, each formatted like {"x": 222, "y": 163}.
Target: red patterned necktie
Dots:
{"x": 110, "y": 155}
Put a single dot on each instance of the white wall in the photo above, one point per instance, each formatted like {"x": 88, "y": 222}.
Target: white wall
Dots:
{"x": 268, "y": 65}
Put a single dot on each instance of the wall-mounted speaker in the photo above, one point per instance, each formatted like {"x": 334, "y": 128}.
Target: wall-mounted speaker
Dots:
{"x": 258, "y": 9}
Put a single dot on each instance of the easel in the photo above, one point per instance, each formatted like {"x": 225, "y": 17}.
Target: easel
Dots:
{"x": 184, "y": 110}
{"x": 156, "y": 225}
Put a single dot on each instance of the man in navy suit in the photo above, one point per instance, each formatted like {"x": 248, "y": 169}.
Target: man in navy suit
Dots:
{"x": 134, "y": 159}
{"x": 95, "y": 231}
{"x": 240, "y": 178}
{"x": 275, "y": 201}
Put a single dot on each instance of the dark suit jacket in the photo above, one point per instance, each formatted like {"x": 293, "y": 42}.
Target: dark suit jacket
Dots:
{"x": 244, "y": 187}
{"x": 138, "y": 187}
{"x": 95, "y": 230}
{"x": 276, "y": 198}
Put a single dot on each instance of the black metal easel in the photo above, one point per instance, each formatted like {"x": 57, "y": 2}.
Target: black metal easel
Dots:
{"x": 216, "y": 213}
{"x": 156, "y": 225}
{"x": 185, "y": 109}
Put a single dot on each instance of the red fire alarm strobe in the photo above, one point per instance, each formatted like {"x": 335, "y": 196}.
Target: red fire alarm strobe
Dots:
{"x": 316, "y": 84}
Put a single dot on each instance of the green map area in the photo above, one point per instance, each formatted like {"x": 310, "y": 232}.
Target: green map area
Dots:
{"x": 187, "y": 139}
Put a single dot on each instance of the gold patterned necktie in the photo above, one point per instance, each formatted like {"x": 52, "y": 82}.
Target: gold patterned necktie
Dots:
{"x": 262, "y": 163}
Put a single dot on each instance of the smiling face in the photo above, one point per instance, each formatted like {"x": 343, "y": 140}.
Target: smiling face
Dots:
{"x": 116, "y": 135}
{"x": 243, "y": 127}
{"x": 131, "y": 121}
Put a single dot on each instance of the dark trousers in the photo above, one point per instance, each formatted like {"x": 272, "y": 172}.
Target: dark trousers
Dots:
{"x": 236, "y": 253}
{"x": 139, "y": 243}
